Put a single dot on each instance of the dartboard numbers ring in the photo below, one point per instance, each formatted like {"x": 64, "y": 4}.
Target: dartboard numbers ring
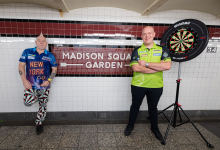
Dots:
{"x": 185, "y": 39}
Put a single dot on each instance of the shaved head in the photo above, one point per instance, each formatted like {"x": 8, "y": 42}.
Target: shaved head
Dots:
{"x": 147, "y": 36}
{"x": 41, "y": 37}
{"x": 148, "y": 28}
{"x": 41, "y": 42}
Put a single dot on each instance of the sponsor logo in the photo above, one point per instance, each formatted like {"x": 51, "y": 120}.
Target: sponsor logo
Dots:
{"x": 157, "y": 54}
{"x": 22, "y": 57}
{"x": 165, "y": 55}
{"x": 180, "y": 58}
{"x": 182, "y": 23}
{"x": 31, "y": 57}
{"x": 46, "y": 58}
{"x": 162, "y": 43}
{"x": 202, "y": 37}
{"x": 136, "y": 57}
{"x": 144, "y": 55}
{"x": 142, "y": 51}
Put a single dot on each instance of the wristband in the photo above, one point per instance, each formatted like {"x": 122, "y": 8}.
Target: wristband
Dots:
{"x": 49, "y": 79}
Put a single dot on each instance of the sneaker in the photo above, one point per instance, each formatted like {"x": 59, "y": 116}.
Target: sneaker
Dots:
{"x": 39, "y": 129}
{"x": 157, "y": 134}
{"x": 128, "y": 130}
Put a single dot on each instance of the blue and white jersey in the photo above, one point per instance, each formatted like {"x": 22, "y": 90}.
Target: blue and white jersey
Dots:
{"x": 38, "y": 66}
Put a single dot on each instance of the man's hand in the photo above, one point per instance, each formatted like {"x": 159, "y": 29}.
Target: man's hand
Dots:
{"x": 142, "y": 63}
{"x": 45, "y": 83}
{"x": 27, "y": 84}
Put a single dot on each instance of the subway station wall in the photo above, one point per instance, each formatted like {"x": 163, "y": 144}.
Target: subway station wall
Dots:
{"x": 97, "y": 31}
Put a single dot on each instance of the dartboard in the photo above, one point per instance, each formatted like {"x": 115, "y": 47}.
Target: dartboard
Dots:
{"x": 185, "y": 39}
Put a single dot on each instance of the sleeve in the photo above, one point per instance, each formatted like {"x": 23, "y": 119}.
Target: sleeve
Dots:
{"x": 53, "y": 61}
{"x": 165, "y": 54}
{"x": 134, "y": 57}
{"x": 23, "y": 57}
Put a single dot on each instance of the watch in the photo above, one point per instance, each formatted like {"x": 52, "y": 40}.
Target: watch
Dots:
{"x": 147, "y": 64}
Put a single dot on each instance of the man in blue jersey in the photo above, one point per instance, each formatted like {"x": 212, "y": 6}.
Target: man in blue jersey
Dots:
{"x": 38, "y": 62}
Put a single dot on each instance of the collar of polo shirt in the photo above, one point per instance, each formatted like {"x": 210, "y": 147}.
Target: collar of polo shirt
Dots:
{"x": 45, "y": 51}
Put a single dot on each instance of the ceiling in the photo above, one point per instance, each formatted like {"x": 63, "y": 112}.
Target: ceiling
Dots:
{"x": 144, "y": 7}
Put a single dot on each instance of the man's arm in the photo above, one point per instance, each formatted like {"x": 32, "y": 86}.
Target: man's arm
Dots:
{"x": 52, "y": 75}
{"x": 138, "y": 68}
{"x": 161, "y": 66}
{"x": 26, "y": 83}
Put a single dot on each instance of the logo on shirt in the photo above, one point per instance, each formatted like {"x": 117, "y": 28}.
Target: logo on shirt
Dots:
{"x": 144, "y": 55}
{"x": 46, "y": 58}
{"x": 157, "y": 54}
{"x": 31, "y": 57}
{"x": 142, "y": 52}
{"x": 165, "y": 55}
{"x": 22, "y": 57}
{"x": 136, "y": 58}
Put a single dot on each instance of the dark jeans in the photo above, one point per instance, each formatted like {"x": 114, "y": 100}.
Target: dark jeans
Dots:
{"x": 153, "y": 96}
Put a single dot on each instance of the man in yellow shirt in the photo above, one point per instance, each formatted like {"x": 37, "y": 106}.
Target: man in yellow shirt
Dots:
{"x": 148, "y": 63}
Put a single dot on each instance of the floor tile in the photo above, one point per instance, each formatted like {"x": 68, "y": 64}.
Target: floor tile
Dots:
{"x": 89, "y": 148}
{"x": 119, "y": 127}
{"x": 7, "y": 129}
{"x": 31, "y": 141}
{"x": 89, "y": 128}
{"x": 210, "y": 126}
{"x": 122, "y": 140}
{"x": 88, "y": 139}
{"x": 12, "y": 141}
{"x": 50, "y": 141}
{"x": 108, "y": 148}
{"x": 127, "y": 148}
{"x": 54, "y": 129}
{"x": 106, "y": 139}
{"x": 69, "y": 140}
{"x": 141, "y": 128}
{"x": 105, "y": 128}
{"x": 143, "y": 139}
{"x": 22, "y": 130}
{"x": 72, "y": 129}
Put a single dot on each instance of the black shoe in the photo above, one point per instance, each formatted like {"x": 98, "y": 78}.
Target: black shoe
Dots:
{"x": 157, "y": 134}
{"x": 128, "y": 130}
{"x": 39, "y": 129}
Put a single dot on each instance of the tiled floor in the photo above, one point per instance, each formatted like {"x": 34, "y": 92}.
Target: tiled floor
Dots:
{"x": 108, "y": 136}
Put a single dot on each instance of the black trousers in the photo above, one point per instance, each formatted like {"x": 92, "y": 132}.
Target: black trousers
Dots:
{"x": 153, "y": 97}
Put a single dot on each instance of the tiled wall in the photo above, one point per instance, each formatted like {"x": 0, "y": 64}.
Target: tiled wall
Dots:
{"x": 199, "y": 89}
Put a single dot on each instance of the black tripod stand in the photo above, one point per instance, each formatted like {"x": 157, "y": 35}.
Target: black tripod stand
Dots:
{"x": 176, "y": 109}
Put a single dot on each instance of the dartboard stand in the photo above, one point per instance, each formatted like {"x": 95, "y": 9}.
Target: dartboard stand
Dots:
{"x": 176, "y": 111}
